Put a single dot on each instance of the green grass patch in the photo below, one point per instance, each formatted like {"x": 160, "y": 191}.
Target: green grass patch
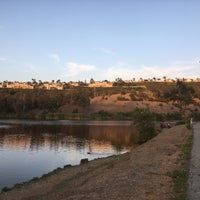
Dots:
{"x": 180, "y": 176}
{"x": 180, "y": 180}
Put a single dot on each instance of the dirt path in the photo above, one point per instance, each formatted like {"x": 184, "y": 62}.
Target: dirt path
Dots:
{"x": 139, "y": 175}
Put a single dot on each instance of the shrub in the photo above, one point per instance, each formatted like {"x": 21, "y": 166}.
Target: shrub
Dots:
{"x": 5, "y": 189}
{"x": 180, "y": 123}
{"x": 83, "y": 161}
{"x": 144, "y": 122}
{"x": 121, "y": 98}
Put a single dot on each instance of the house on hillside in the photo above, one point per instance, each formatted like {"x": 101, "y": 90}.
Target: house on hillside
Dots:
{"x": 169, "y": 80}
{"x": 101, "y": 84}
{"x": 188, "y": 80}
{"x": 52, "y": 86}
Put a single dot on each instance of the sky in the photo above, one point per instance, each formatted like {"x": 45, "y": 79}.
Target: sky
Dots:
{"x": 76, "y": 40}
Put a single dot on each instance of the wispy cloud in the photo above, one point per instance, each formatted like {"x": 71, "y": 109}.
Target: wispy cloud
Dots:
{"x": 55, "y": 57}
{"x": 73, "y": 69}
{"x": 2, "y": 59}
{"x": 32, "y": 67}
{"x": 107, "y": 51}
{"x": 177, "y": 69}
{"x": 120, "y": 69}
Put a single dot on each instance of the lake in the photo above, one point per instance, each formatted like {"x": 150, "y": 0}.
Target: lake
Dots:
{"x": 32, "y": 148}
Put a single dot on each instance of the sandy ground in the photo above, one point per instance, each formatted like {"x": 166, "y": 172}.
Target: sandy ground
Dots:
{"x": 138, "y": 175}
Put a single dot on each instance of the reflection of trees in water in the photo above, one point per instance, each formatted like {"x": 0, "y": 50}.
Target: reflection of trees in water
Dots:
{"x": 54, "y": 137}
{"x": 117, "y": 135}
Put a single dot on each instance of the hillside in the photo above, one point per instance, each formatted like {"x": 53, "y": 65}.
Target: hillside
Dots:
{"x": 71, "y": 103}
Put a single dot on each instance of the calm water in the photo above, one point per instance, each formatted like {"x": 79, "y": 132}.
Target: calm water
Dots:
{"x": 31, "y": 148}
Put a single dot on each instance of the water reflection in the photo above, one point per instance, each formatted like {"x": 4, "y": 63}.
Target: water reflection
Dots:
{"x": 34, "y": 137}
{"x": 29, "y": 150}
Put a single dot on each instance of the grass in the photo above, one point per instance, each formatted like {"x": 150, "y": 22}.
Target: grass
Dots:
{"x": 179, "y": 179}
{"x": 180, "y": 176}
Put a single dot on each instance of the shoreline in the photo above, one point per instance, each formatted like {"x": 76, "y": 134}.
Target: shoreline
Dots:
{"x": 57, "y": 170}
{"x": 126, "y": 176}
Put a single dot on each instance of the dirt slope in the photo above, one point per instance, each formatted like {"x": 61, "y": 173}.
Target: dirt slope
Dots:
{"x": 111, "y": 104}
{"x": 138, "y": 175}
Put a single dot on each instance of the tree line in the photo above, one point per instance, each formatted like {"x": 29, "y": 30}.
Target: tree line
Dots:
{"x": 22, "y": 101}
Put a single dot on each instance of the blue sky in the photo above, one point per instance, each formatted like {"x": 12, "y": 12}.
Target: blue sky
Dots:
{"x": 76, "y": 40}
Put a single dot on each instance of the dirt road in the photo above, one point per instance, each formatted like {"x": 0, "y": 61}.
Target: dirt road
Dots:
{"x": 138, "y": 175}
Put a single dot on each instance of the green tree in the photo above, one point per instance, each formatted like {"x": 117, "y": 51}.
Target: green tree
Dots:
{"x": 92, "y": 81}
{"x": 119, "y": 82}
{"x": 144, "y": 120}
{"x": 182, "y": 94}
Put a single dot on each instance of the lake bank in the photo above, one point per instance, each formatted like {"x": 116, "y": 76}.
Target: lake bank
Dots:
{"x": 140, "y": 174}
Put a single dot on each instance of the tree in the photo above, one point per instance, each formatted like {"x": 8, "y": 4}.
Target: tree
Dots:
{"x": 119, "y": 82}
{"x": 40, "y": 83}
{"x": 144, "y": 122}
{"x": 182, "y": 95}
{"x": 81, "y": 97}
{"x": 82, "y": 84}
{"x": 92, "y": 81}
{"x": 34, "y": 80}
{"x": 154, "y": 78}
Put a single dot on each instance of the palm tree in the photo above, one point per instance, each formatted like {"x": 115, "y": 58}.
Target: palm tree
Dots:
{"x": 164, "y": 77}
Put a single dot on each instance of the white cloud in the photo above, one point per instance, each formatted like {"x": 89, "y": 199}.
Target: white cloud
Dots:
{"x": 55, "y": 57}
{"x": 74, "y": 69}
{"x": 2, "y": 59}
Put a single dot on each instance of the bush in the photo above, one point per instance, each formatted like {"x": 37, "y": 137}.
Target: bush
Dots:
{"x": 5, "y": 189}
{"x": 144, "y": 122}
{"x": 180, "y": 123}
{"x": 121, "y": 98}
{"x": 83, "y": 161}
